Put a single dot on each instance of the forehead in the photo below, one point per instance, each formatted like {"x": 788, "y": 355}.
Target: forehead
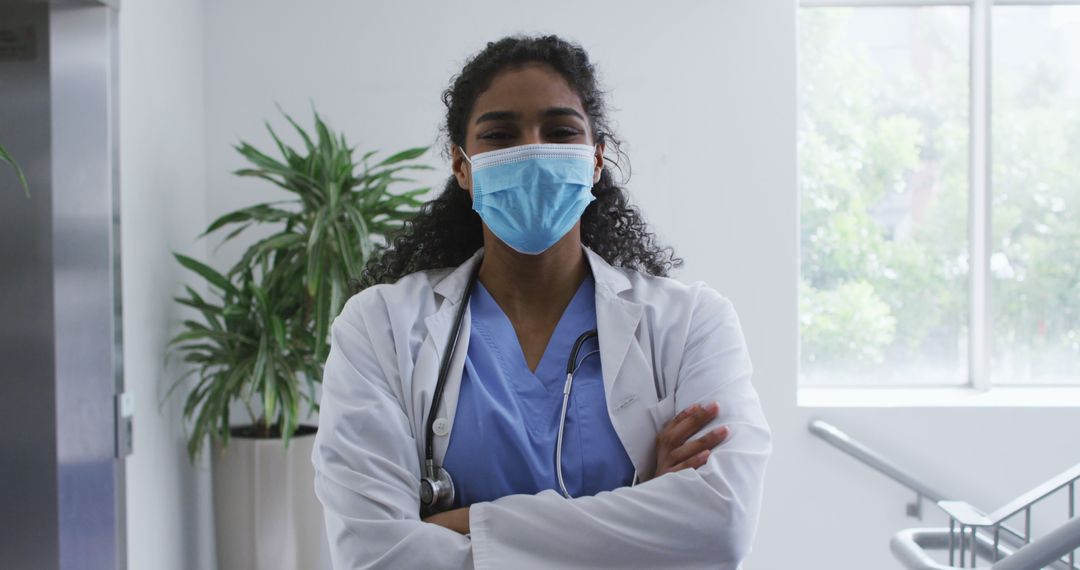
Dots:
{"x": 528, "y": 89}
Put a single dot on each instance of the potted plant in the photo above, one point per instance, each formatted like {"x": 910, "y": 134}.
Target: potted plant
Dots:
{"x": 261, "y": 342}
{"x": 6, "y": 157}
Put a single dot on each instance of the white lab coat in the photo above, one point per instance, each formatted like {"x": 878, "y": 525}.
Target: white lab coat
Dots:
{"x": 655, "y": 333}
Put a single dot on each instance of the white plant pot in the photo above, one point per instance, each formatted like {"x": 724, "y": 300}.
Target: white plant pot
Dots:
{"x": 265, "y": 510}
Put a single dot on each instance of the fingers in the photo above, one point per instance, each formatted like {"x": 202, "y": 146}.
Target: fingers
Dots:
{"x": 689, "y": 450}
{"x": 689, "y": 422}
{"x": 687, "y": 411}
{"x": 675, "y": 452}
{"x": 694, "y": 462}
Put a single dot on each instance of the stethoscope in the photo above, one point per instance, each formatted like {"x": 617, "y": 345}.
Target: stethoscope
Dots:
{"x": 437, "y": 487}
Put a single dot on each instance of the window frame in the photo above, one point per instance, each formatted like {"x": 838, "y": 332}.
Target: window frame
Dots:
{"x": 980, "y": 318}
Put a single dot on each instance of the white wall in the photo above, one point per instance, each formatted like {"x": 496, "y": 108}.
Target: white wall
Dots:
{"x": 162, "y": 208}
{"x": 704, "y": 96}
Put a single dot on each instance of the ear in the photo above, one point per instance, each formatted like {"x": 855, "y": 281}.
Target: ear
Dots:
{"x": 599, "y": 163}
{"x": 462, "y": 169}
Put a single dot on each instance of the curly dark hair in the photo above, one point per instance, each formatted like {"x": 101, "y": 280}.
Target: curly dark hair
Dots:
{"x": 446, "y": 230}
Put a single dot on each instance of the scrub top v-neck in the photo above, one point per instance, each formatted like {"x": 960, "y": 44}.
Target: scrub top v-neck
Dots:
{"x": 507, "y": 419}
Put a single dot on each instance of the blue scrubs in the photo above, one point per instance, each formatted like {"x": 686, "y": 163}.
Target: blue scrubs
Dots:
{"x": 507, "y": 419}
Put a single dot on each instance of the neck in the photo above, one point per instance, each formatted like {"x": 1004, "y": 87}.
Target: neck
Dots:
{"x": 531, "y": 287}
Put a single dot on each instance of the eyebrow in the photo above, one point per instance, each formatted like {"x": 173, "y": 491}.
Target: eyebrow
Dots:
{"x": 512, "y": 115}
{"x": 563, "y": 112}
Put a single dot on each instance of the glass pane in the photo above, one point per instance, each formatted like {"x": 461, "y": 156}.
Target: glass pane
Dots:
{"x": 883, "y": 168}
{"x": 1035, "y": 130}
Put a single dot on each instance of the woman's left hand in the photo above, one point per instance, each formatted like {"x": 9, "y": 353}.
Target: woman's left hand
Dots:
{"x": 456, "y": 520}
{"x": 674, "y": 449}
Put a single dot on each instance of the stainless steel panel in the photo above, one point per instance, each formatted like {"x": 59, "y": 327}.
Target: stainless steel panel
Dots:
{"x": 86, "y": 285}
{"x": 28, "y": 528}
{"x": 112, "y": 3}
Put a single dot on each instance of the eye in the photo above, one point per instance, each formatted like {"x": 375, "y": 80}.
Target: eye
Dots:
{"x": 495, "y": 135}
{"x": 564, "y": 133}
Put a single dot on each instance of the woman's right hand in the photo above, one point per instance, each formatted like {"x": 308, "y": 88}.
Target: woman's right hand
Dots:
{"x": 674, "y": 452}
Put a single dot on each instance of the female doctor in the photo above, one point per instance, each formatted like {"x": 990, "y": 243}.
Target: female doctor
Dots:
{"x": 504, "y": 393}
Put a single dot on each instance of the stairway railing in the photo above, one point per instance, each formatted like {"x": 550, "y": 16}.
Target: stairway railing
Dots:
{"x": 981, "y": 535}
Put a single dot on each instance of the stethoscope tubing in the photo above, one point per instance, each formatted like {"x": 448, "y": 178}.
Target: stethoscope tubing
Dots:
{"x": 444, "y": 368}
{"x": 571, "y": 369}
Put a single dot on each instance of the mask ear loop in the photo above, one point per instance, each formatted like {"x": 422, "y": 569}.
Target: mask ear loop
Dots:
{"x": 467, "y": 159}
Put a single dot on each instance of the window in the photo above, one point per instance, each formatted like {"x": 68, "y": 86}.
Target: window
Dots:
{"x": 1035, "y": 251}
{"x": 939, "y": 170}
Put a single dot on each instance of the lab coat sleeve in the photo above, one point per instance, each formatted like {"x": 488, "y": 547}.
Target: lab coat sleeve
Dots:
{"x": 694, "y": 518}
{"x": 366, "y": 467}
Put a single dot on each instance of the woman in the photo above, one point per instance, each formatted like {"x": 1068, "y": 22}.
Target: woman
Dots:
{"x": 446, "y": 389}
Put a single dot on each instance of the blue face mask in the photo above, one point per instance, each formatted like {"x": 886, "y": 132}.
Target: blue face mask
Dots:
{"x": 531, "y": 195}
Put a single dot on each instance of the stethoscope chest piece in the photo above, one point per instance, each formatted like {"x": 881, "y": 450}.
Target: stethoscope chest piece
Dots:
{"x": 436, "y": 493}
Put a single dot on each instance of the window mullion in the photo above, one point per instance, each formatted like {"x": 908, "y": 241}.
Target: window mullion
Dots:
{"x": 979, "y": 215}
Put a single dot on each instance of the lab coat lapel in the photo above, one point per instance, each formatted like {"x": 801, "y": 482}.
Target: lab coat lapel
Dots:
{"x": 616, "y": 323}
{"x": 616, "y": 318}
{"x": 628, "y": 377}
{"x": 439, "y": 327}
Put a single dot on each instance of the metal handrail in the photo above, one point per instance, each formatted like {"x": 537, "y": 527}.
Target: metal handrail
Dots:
{"x": 1041, "y": 491}
{"x": 910, "y": 546}
{"x": 1050, "y": 548}
{"x": 969, "y": 517}
{"x": 854, "y": 448}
